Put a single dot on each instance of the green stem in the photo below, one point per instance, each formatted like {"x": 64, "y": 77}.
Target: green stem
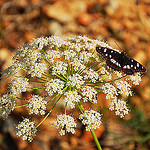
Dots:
{"x": 47, "y": 75}
{"x": 52, "y": 108}
{"x": 62, "y": 78}
{"x": 53, "y": 98}
{"x": 65, "y": 108}
{"x": 44, "y": 119}
{"x": 80, "y": 107}
{"x": 92, "y": 131}
{"x": 38, "y": 81}
{"x": 22, "y": 98}
{"x": 95, "y": 139}
{"x": 34, "y": 88}
{"x": 49, "y": 112}
{"x": 98, "y": 105}
{"x": 21, "y": 106}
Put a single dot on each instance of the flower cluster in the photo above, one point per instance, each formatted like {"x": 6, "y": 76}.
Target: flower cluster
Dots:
{"x": 136, "y": 79}
{"x": 18, "y": 85}
{"x": 119, "y": 106}
{"x": 89, "y": 93}
{"x": 26, "y": 130}
{"x": 75, "y": 80}
{"x": 36, "y": 105}
{"x": 7, "y": 104}
{"x": 66, "y": 123}
{"x": 37, "y": 70}
{"x": 124, "y": 88}
{"x": 91, "y": 118}
{"x": 53, "y": 86}
{"x": 91, "y": 74}
{"x": 110, "y": 91}
{"x": 59, "y": 68}
{"x": 71, "y": 98}
{"x": 51, "y": 55}
{"x": 66, "y": 69}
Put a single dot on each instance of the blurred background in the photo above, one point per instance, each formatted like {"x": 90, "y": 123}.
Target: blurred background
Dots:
{"x": 125, "y": 22}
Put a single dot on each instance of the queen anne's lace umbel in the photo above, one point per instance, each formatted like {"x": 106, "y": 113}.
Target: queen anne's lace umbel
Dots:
{"x": 65, "y": 69}
{"x": 66, "y": 123}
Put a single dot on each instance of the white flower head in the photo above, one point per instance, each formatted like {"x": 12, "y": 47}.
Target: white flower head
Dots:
{"x": 85, "y": 56}
{"x": 71, "y": 98}
{"x": 53, "y": 86}
{"x": 89, "y": 93}
{"x": 136, "y": 78}
{"x": 37, "y": 105}
{"x": 65, "y": 123}
{"x": 91, "y": 118}
{"x": 51, "y": 55}
{"x": 77, "y": 64}
{"x": 75, "y": 80}
{"x": 18, "y": 85}
{"x": 69, "y": 54}
{"x": 119, "y": 106}
{"x": 110, "y": 90}
{"x": 26, "y": 130}
{"x": 28, "y": 56}
{"x": 37, "y": 69}
{"x": 59, "y": 68}
{"x": 91, "y": 74}
{"x": 124, "y": 88}
{"x": 7, "y": 104}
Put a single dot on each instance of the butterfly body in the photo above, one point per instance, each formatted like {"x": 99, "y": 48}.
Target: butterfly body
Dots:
{"x": 118, "y": 61}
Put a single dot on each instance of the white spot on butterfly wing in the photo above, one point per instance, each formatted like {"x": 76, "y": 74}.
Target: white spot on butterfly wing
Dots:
{"x": 125, "y": 67}
{"x": 138, "y": 64}
{"x": 117, "y": 63}
{"x": 128, "y": 66}
{"x": 105, "y": 49}
{"x": 113, "y": 61}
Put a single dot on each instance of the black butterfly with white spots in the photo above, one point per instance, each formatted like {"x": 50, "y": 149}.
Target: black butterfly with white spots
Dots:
{"x": 118, "y": 61}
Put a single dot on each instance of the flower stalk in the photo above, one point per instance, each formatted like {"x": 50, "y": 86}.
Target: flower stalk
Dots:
{"x": 96, "y": 140}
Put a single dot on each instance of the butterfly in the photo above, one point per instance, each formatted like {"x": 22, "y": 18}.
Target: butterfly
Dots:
{"x": 118, "y": 61}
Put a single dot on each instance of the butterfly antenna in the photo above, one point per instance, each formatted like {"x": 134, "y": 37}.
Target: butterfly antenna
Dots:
{"x": 118, "y": 45}
{"x": 130, "y": 49}
{"x": 121, "y": 48}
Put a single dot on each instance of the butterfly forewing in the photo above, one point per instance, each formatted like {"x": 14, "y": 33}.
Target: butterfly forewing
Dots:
{"x": 111, "y": 57}
{"x": 119, "y": 61}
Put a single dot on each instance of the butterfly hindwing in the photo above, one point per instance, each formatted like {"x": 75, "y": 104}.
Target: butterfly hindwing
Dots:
{"x": 119, "y": 61}
{"x": 131, "y": 64}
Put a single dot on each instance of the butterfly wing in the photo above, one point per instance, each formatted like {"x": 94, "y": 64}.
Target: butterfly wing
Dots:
{"x": 113, "y": 58}
{"x": 119, "y": 61}
{"x": 131, "y": 65}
